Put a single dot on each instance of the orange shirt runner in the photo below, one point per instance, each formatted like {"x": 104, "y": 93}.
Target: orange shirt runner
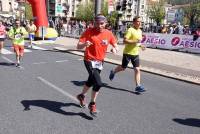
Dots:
{"x": 100, "y": 42}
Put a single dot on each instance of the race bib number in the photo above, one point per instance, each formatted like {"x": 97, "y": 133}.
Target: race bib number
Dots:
{"x": 97, "y": 64}
{"x": 18, "y": 36}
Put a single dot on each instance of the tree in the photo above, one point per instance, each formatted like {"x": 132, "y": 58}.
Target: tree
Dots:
{"x": 85, "y": 12}
{"x": 105, "y": 8}
{"x": 112, "y": 18}
{"x": 28, "y": 11}
{"x": 192, "y": 13}
{"x": 157, "y": 12}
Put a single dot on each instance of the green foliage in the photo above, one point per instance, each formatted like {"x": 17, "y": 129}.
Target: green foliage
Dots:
{"x": 105, "y": 8}
{"x": 192, "y": 13}
{"x": 85, "y": 12}
{"x": 28, "y": 11}
{"x": 112, "y": 18}
{"x": 180, "y": 2}
{"x": 157, "y": 12}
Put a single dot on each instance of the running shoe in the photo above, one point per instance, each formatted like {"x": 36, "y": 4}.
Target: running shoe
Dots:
{"x": 140, "y": 89}
{"x": 92, "y": 108}
{"x": 17, "y": 65}
{"x": 112, "y": 75}
{"x": 81, "y": 99}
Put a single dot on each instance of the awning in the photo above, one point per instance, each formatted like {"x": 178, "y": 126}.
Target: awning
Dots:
{"x": 6, "y": 15}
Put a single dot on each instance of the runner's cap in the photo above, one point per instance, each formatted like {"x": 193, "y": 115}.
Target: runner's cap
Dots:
{"x": 100, "y": 18}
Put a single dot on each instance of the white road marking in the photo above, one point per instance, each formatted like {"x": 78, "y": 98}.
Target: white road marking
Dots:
{"x": 57, "y": 88}
{"x": 38, "y": 63}
{"x": 5, "y": 58}
{"x": 8, "y": 60}
{"x": 27, "y": 50}
{"x": 38, "y": 48}
{"x": 62, "y": 60}
{"x": 4, "y": 51}
{"x": 60, "y": 90}
{"x": 60, "y": 48}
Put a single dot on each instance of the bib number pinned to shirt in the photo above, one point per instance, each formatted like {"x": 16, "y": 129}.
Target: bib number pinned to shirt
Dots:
{"x": 18, "y": 36}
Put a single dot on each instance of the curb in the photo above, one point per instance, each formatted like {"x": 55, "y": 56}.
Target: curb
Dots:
{"x": 164, "y": 73}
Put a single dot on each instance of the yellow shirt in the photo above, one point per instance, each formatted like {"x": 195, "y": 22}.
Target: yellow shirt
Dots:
{"x": 31, "y": 29}
{"x": 135, "y": 35}
{"x": 17, "y": 35}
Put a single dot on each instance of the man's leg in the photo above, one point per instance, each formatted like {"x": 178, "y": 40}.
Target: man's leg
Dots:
{"x": 119, "y": 68}
{"x": 87, "y": 85}
{"x": 137, "y": 76}
{"x": 138, "y": 88}
{"x": 94, "y": 95}
{"x": 81, "y": 96}
{"x": 1, "y": 46}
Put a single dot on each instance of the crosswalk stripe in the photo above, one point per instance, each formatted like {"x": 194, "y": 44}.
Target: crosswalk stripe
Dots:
{"x": 5, "y": 51}
{"x": 10, "y": 51}
{"x": 38, "y": 48}
{"x": 27, "y": 50}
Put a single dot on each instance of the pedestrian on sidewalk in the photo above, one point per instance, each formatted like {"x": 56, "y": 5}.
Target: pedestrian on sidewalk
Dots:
{"x": 132, "y": 41}
{"x": 2, "y": 35}
{"x": 95, "y": 41}
{"x": 31, "y": 28}
{"x": 17, "y": 34}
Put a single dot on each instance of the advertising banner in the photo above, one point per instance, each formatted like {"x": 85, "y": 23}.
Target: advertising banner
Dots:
{"x": 172, "y": 42}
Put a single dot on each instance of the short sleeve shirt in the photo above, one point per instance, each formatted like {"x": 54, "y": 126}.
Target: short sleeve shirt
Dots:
{"x": 2, "y": 31}
{"x": 100, "y": 42}
{"x": 133, "y": 34}
{"x": 17, "y": 34}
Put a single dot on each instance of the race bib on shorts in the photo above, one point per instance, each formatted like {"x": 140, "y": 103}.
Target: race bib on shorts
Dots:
{"x": 97, "y": 64}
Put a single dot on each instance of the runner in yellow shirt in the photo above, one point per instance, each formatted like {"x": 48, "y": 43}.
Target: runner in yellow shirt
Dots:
{"x": 31, "y": 28}
{"x": 17, "y": 34}
{"x": 132, "y": 43}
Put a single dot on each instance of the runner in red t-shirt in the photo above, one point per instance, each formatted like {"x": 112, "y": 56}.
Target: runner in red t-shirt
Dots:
{"x": 2, "y": 35}
{"x": 95, "y": 41}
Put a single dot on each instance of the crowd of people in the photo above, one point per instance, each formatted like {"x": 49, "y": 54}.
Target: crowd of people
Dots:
{"x": 17, "y": 32}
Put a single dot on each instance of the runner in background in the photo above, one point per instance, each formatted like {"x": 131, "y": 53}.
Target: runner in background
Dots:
{"x": 2, "y": 35}
{"x": 132, "y": 41}
{"x": 95, "y": 42}
{"x": 17, "y": 34}
{"x": 31, "y": 28}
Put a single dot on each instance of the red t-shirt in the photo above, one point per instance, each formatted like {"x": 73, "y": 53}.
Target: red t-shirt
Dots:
{"x": 100, "y": 42}
{"x": 2, "y": 31}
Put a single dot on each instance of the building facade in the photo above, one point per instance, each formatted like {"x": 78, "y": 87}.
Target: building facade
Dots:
{"x": 131, "y": 8}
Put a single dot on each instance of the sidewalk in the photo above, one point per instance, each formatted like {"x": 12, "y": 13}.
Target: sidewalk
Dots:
{"x": 172, "y": 64}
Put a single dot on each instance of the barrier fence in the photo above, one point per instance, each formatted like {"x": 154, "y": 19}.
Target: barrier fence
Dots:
{"x": 183, "y": 43}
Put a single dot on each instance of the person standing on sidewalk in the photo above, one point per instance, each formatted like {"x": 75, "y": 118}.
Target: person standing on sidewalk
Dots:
{"x": 95, "y": 41}
{"x": 2, "y": 35}
{"x": 132, "y": 43}
{"x": 17, "y": 34}
{"x": 31, "y": 28}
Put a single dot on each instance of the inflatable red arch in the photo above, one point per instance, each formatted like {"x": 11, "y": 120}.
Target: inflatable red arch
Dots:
{"x": 39, "y": 12}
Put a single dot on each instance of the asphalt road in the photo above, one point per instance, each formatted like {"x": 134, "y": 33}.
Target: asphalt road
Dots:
{"x": 40, "y": 98}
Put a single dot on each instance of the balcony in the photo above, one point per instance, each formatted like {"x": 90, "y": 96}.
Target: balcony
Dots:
{"x": 130, "y": 2}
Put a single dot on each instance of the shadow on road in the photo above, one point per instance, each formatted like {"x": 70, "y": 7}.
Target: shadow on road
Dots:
{"x": 54, "y": 107}
{"x": 81, "y": 83}
{"x": 189, "y": 122}
{"x": 78, "y": 83}
{"x": 7, "y": 64}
